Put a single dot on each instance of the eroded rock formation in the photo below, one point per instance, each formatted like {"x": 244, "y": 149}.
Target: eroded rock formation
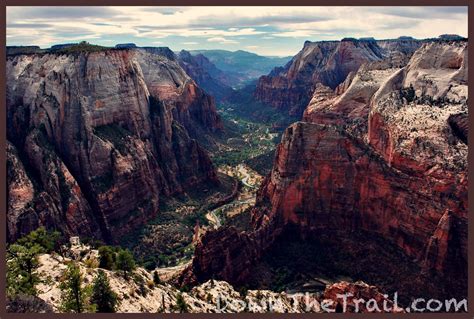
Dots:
{"x": 103, "y": 136}
{"x": 328, "y": 63}
{"x": 383, "y": 153}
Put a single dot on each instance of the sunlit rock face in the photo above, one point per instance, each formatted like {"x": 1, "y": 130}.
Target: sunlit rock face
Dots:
{"x": 102, "y": 137}
{"x": 384, "y": 152}
{"x": 328, "y": 63}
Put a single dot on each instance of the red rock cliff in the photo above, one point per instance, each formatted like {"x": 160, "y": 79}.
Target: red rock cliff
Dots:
{"x": 404, "y": 176}
{"x": 103, "y": 136}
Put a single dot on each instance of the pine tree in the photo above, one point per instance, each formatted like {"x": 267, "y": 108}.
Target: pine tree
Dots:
{"x": 156, "y": 278}
{"x": 47, "y": 240}
{"x": 74, "y": 298}
{"x": 22, "y": 263}
{"x": 106, "y": 257}
{"x": 102, "y": 294}
{"x": 125, "y": 262}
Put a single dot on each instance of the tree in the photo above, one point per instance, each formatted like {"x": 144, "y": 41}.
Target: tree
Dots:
{"x": 102, "y": 294}
{"x": 125, "y": 262}
{"x": 74, "y": 298}
{"x": 106, "y": 257}
{"x": 181, "y": 304}
{"x": 22, "y": 263}
{"x": 156, "y": 278}
{"x": 49, "y": 241}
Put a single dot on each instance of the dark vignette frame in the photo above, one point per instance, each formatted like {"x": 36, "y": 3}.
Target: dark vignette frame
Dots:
{"x": 3, "y": 183}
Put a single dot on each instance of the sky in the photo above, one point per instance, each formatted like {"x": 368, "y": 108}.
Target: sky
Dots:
{"x": 270, "y": 31}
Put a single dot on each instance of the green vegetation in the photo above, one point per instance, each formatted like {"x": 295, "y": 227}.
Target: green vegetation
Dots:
{"x": 103, "y": 296}
{"x": 48, "y": 240}
{"x": 167, "y": 239}
{"x": 75, "y": 297}
{"x": 22, "y": 261}
{"x": 244, "y": 139}
{"x": 106, "y": 257}
{"x": 116, "y": 258}
{"x": 181, "y": 305}
{"x": 125, "y": 262}
{"x": 156, "y": 278}
{"x": 80, "y": 47}
{"x": 22, "y": 265}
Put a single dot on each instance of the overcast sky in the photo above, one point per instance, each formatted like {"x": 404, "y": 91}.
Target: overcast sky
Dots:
{"x": 263, "y": 30}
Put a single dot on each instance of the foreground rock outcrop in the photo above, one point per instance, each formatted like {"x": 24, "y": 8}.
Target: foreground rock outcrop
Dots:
{"x": 97, "y": 138}
{"x": 384, "y": 152}
{"x": 140, "y": 294}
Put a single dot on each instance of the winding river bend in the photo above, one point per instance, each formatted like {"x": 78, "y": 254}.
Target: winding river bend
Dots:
{"x": 246, "y": 198}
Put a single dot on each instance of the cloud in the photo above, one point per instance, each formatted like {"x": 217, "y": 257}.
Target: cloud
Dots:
{"x": 64, "y": 13}
{"x": 222, "y": 40}
{"x": 282, "y": 29}
{"x": 422, "y": 12}
{"x": 295, "y": 34}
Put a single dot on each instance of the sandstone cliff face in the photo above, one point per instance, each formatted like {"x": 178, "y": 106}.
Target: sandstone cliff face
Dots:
{"x": 105, "y": 135}
{"x": 383, "y": 153}
{"x": 328, "y": 63}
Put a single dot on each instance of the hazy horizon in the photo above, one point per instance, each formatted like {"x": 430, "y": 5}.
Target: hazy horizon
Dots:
{"x": 268, "y": 31}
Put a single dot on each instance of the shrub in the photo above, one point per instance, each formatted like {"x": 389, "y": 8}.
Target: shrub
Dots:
{"x": 181, "y": 305}
{"x": 150, "y": 284}
{"x": 47, "y": 240}
{"x": 156, "y": 278}
{"x": 106, "y": 257}
{"x": 91, "y": 263}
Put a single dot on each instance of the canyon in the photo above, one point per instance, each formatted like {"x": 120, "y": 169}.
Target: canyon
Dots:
{"x": 379, "y": 153}
{"x": 104, "y": 135}
{"x": 371, "y": 172}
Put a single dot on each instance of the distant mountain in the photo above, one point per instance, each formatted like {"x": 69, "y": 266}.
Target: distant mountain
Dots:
{"x": 213, "y": 80}
{"x": 243, "y": 65}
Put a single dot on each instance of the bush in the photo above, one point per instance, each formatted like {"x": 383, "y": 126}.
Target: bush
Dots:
{"x": 106, "y": 257}
{"x": 156, "y": 278}
{"x": 150, "y": 284}
{"x": 181, "y": 305}
{"x": 91, "y": 263}
{"x": 22, "y": 264}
